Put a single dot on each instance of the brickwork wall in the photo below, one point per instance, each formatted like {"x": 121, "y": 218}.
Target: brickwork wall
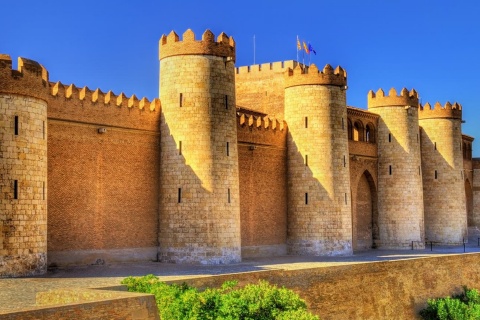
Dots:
{"x": 261, "y": 87}
{"x": 23, "y": 159}
{"x": 473, "y": 218}
{"x": 381, "y": 290}
{"x": 476, "y": 191}
{"x": 319, "y": 219}
{"x": 262, "y": 156}
{"x": 103, "y": 192}
{"x": 443, "y": 180}
{"x": 199, "y": 196}
{"x": 400, "y": 200}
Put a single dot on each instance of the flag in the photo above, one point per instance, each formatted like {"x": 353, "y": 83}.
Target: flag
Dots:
{"x": 299, "y": 46}
{"x": 305, "y": 47}
{"x": 310, "y": 48}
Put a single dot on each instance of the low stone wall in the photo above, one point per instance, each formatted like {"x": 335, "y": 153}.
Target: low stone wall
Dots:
{"x": 63, "y": 304}
{"x": 367, "y": 290}
{"x": 378, "y": 290}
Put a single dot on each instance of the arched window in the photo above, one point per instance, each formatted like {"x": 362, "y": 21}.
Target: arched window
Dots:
{"x": 358, "y": 131}
{"x": 370, "y": 133}
{"x": 350, "y": 129}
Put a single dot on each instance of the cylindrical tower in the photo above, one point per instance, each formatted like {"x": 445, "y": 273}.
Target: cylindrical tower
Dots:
{"x": 23, "y": 168}
{"x": 442, "y": 171}
{"x": 400, "y": 200}
{"x": 319, "y": 204}
{"x": 199, "y": 198}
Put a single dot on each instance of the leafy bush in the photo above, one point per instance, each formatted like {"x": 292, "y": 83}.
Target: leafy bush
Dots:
{"x": 260, "y": 301}
{"x": 465, "y": 306}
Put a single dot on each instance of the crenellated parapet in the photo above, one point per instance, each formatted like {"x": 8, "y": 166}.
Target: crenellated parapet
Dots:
{"x": 31, "y": 78}
{"x": 97, "y": 96}
{"x": 379, "y": 99}
{"x": 300, "y": 76}
{"x": 448, "y": 111}
{"x": 265, "y": 123}
{"x": 171, "y": 45}
{"x": 256, "y": 131}
{"x": 269, "y": 68}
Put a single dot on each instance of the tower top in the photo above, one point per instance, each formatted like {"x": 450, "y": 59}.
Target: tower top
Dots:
{"x": 379, "y": 99}
{"x": 311, "y": 76}
{"x": 31, "y": 78}
{"x": 448, "y": 111}
{"x": 171, "y": 45}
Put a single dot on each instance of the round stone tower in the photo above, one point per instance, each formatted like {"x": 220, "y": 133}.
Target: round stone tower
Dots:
{"x": 400, "y": 200}
{"x": 319, "y": 204}
{"x": 442, "y": 168}
{"x": 199, "y": 197}
{"x": 23, "y": 168}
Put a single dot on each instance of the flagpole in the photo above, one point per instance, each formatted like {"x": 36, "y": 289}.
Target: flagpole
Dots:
{"x": 253, "y": 49}
{"x": 296, "y": 45}
{"x": 303, "y": 54}
{"x": 309, "y": 57}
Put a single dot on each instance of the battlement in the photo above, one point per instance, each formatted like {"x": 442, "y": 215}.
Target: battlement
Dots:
{"x": 278, "y": 66}
{"x": 259, "y": 122}
{"x": 311, "y": 75}
{"x": 379, "y": 99}
{"x": 448, "y": 111}
{"x": 97, "y": 96}
{"x": 171, "y": 45}
{"x": 31, "y": 78}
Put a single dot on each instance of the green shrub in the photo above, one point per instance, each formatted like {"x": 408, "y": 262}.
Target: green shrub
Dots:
{"x": 260, "y": 301}
{"x": 465, "y": 306}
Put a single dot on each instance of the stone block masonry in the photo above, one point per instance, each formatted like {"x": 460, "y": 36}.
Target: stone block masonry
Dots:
{"x": 400, "y": 204}
{"x": 23, "y": 165}
{"x": 227, "y": 162}
{"x": 318, "y": 170}
{"x": 199, "y": 197}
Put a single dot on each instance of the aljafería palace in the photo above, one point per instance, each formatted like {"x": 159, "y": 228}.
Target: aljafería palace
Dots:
{"x": 228, "y": 162}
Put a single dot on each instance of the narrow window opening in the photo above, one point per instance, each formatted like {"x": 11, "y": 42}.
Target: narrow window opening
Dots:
{"x": 306, "y": 122}
{"x": 226, "y": 102}
{"x": 179, "y": 195}
{"x": 344, "y": 161}
{"x": 436, "y": 174}
{"x": 306, "y": 198}
{"x": 180, "y": 147}
{"x": 43, "y": 130}
{"x": 16, "y": 125}
{"x": 389, "y": 137}
{"x": 181, "y": 100}
{"x": 390, "y": 170}
{"x": 15, "y": 189}
{"x": 306, "y": 160}
{"x": 228, "y": 149}
{"x": 228, "y": 195}
{"x": 435, "y": 146}
{"x": 43, "y": 189}
{"x": 345, "y": 198}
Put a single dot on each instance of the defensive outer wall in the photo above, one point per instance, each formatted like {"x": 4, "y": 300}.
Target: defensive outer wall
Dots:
{"x": 227, "y": 163}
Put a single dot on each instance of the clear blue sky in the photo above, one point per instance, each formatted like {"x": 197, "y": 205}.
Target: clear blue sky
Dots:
{"x": 432, "y": 46}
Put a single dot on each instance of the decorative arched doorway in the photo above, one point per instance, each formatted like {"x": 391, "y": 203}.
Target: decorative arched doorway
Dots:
{"x": 365, "y": 214}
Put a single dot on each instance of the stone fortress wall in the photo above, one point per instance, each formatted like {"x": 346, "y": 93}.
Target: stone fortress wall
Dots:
{"x": 227, "y": 163}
